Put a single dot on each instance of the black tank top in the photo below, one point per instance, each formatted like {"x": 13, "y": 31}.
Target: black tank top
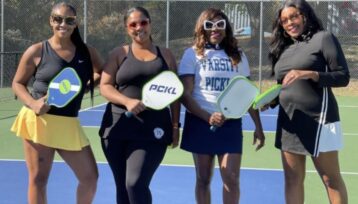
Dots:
{"x": 133, "y": 74}
{"x": 50, "y": 65}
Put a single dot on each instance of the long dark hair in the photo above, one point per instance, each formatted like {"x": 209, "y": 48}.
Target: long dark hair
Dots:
{"x": 229, "y": 43}
{"x": 280, "y": 40}
{"x": 80, "y": 45}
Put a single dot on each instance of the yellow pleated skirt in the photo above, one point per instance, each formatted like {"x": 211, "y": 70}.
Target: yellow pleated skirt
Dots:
{"x": 58, "y": 132}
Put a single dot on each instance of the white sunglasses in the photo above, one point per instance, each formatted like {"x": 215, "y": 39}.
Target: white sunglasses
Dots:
{"x": 220, "y": 25}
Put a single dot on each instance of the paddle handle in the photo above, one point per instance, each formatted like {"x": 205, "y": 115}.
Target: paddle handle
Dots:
{"x": 130, "y": 114}
{"x": 213, "y": 128}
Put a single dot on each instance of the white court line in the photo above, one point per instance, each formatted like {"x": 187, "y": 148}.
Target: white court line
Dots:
{"x": 192, "y": 166}
{"x": 350, "y": 133}
{"x": 93, "y": 110}
{"x": 269, "y": 131}
{"x": 344, "y": 106}
{"x": 183, "y": 112}
{"x": 87, "y": 109}
{"x": 90, "y": 126}
{"x": 265, "y": 131}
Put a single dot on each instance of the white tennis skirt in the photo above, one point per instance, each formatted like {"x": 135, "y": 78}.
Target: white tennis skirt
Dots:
{"x": 331, "y": 139}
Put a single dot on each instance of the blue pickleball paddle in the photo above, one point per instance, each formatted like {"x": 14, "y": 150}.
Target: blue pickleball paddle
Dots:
{"x": 63, "y": 88}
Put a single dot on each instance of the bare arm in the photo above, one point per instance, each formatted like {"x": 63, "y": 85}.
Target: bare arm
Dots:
{"x": 188, "y": 101}
{"x": 216, "y": 118}
{"x": 174, "y": 107}
{"x": 25, "y": 70}
{"x": 259, "y": 137}
{"x": 97, "y": 63}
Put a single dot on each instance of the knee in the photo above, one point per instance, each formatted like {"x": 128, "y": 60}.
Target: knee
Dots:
{"x": 40, "y": 180}
{"x": 203, "y": 180}
{"x": 231, "y": 179}
{"x": 89, "y": 179}
{"x": 294, "y": 178}
{"x": 134, "y": 186}
{"x": 332, "y": 181}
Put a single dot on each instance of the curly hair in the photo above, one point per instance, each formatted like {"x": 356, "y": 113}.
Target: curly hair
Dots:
{"x": 279, "y": 40}
{"x": 229, "y": 43}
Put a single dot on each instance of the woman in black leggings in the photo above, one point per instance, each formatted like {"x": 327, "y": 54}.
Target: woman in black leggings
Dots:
{"x": 133, "y": 149}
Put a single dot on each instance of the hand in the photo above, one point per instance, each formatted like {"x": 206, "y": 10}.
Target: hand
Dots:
{"x": 176, "y": 133}
{"x": 259, "y": 139}
{"x": 217, "y": 119}
{"x": 294, "y": 75}
{"x": 265, "y": 107}
{"x": 135, "y": 106}
{"x": 40, "y": 106}
{"x": 290, "y": 77}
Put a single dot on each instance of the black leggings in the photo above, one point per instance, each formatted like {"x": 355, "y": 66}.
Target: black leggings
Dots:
{"x": 133, "y": 164}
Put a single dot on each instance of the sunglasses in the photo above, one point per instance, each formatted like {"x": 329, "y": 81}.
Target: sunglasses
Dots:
{"x": 142, "y": 23}
{"x": 291, "y": 18}
{"x": 69, "y": 20}
{"x": 220, "y": 25}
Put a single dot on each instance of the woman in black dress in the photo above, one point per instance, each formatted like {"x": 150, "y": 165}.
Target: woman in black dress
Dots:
{"x": 308, "y": 61}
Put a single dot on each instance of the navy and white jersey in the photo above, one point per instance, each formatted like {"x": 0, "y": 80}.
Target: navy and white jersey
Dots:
{"x": 211, "y": 73}
{"x": 308, "y": 110}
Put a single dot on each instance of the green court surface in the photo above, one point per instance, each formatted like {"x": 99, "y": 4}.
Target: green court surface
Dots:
{"x": 266, "y": 159}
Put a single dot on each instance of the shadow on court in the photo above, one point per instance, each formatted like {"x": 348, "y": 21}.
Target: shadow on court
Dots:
{"x": 170, "y": 185}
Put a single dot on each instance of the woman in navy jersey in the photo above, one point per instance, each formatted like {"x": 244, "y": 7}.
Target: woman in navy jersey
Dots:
{"x": 44, "y": 129}
{"x": 135, "y": 149}
{"x": 308, "y": 61}
{"x": 205, "y": 70}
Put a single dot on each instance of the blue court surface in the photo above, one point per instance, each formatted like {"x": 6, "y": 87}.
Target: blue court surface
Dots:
{"x": 92, "y": 118}
{"x": 170, "y": 185}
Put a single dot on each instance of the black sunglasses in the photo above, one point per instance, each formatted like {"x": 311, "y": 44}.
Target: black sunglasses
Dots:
{"x": 69, "y": 20}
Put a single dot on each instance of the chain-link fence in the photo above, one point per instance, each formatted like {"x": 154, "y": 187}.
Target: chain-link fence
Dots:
{"x": 101, "y": 23}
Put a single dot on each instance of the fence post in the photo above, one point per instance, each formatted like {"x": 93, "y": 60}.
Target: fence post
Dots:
{"x": 167, "y": 26}
{"x": 85, "y": 21}
{"x": 260, "y": 45}
{"x": 2, "y": 45}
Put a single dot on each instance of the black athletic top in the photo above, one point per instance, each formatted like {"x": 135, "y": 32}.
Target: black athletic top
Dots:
{"x": 306, "y": 105}
{"x": 131, "y": 76}
{"x": 50, "y": 65}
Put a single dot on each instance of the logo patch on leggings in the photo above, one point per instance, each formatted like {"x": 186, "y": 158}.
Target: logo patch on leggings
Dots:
{"x": 158, "y": 133}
